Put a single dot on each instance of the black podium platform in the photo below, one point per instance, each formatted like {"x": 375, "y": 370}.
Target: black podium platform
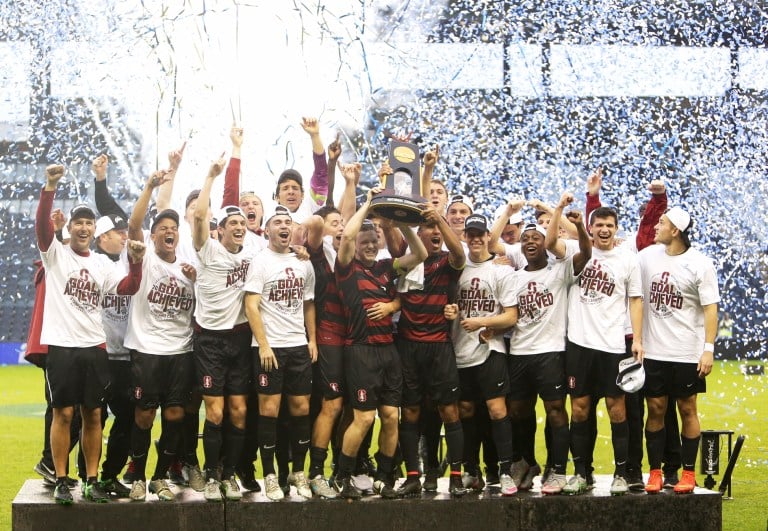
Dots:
{"x": 33, "y": 509}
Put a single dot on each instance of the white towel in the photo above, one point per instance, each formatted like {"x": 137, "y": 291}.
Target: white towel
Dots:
{"x": 412, "y": 281}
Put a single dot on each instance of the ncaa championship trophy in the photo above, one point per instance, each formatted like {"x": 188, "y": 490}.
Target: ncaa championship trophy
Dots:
{"x": 401, "y": 198}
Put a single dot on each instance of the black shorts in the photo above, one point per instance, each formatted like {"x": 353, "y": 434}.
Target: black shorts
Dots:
{"x": 537, "y": 374}
{"x": 485, "y": 381}
{"x": 672, "y": 378}
{"x": 160, "y": 380}
{"x": 293, "y": 375}
{"x": 328, "y": 372}
{"x": 223, "y": 362}
{"x": 591, "y": 372}
{"x": 77, "y": 375}
{"x": 428, "y": 368}
{"x": 374, "y": 376}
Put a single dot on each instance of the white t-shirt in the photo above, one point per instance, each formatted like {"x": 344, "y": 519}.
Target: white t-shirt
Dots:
{"x": 220, "y": 278}
{"x": 253, "y": 243}
{"x": 185, "y": 250}
{"x": 74, "y": 288}
{"x": 597, "y": 303}
{"x": 160, "y": 320}
{"x": 484, "y": 289}
{"x": 284, "y": 283}
{"x": 114, "y": 315}
{"x": 675, "y": 289}
{"x": 541, "y": 298}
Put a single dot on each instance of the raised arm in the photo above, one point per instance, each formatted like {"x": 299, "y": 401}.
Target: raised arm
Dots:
{"x": 155, "y": 180}
{"x": 348, "y": 237}
{"x": 430, "y": 161}
{"x": 334, "y": 152}
{"x": 456, "y": 256}
{"x": 646, "y": 233}
{"x": 581, "y": 258}
{"x": 594, "y": 183}
{"x": 44, "y": 229}
{"x": 553, "y": 242}
{"x": 165, "y": 191}
{"x": 564, "y": 222}
{"x": 513, "y": 206}
{"x": 318, "y": 184}
{"x": 105, "y": 203}
{"x": 417, "y": 254}
{"x": 201, "y": 231}
{"x": 232, "y": 176}
{"x": 351, "y": 174}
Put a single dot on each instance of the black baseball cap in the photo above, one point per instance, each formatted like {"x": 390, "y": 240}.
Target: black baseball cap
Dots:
{"x": 168, "y": 213}
{"x": 477, "y": 222}
{"x": 81, "y": 211}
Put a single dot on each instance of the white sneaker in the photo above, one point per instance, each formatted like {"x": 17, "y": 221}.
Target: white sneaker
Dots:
{"x": 212, "y": 491}
{"x": 321, "y": 488}
{"x": 619, "y": 486}
{"x": 299, "y": 480}
{"x": 507, "y": 486}
{"x": 162, "y": 489}
{"x": 231, "y": 489}
{"x": 272, "y": 488}
{"x": 138, "y": 491}
{"x": 555, "y": 484}
{"x": 194, "y": 477}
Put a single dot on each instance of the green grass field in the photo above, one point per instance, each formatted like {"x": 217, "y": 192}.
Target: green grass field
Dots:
{"x": 733, "y": 401}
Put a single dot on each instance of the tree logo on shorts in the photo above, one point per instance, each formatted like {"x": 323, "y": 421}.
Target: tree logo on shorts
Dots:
{"x": 263, "y": 380}
{"x": 334, "y": 387}
{"x": 207, "y": 382}
{"x": 362, "y": 396}
{"x": 137, "y": 393}
{"x": 571, "y": 382}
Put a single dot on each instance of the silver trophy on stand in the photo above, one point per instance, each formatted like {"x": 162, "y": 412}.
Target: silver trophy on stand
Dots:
{"x": 401, "y": 199}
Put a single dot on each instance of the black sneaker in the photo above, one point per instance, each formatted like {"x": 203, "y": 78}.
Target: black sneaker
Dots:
{"x": 385, "y": 487}
{"x": 93, "y": 492}
{"x": 248, "y": 479}
{"x": 430, "y": 479}
{"x": 113, "y": 486}
{"x": 492, "y": 475}
{"x": 46, "y": 472}
{"x": 670, "y": 480}
{"x": 635, "y": 481}
{"x": 347, "y": 489}
{"x": 456, "y": 486}
{"x": 411, "y": 488}
{"x": 62, "y": 494}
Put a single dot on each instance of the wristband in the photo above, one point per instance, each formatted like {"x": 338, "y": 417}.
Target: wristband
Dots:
{"x": 709, "y": 347}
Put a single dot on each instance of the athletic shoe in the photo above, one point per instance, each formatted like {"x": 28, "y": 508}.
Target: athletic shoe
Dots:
{"x": 576, "y": 485}
{"x": 93, "y": 492}
{"x": 430, "y": 479}
{"x": 194, "y": 477}
{"x": 635, "y": 480}
{"x": 347, "y": 489}
{"x": 366, "y": 466}
{"x": 492, "y": 475}
{"x": 71, "y": 482}
{"x": 247, "y": 477}
{"x": 654, "y": 484}
{"x": 113, "y": 486}
{"x": 162, "y": 489}
{"x": 547, "y": 472}
{"x": 385, "y": 487}
{"x": 507, "y": 486}
{"x": 321, "y": 488}
{"x": 176, "y": 473}
{"x": 518, "y": 471}
{"x": 527, "y": 482}
{"x": 62, "y": 494}
{"x": 272, "y": 488}
{"x": 212, "y": 491}
{"x": 687, "y": 483}
{"x": 231, "y": 489}
{"x": 48, "y": 474}
{"x": 363, "y": 483}
{"x": 619, "y": 486}
{"x": 138, "y": 491}
{"x": 671, "y": 480}
{"x": 411, "y": 487}
{"x": 299, "y": 480}
{"x": 130, "y": 472}
{"x": 456, "y": 486}
{"x": 471, "y": 482}
{"x": 555, "y": 484}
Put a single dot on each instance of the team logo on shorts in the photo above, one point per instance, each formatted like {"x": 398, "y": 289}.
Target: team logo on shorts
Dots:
{"x": 137, "y": 393}
{"x": 334, "y": 387}
{"x": 207, "y": 382}
{"x": 263, "y": 380}
{"x": 571, "y": 382}
{"x": 362, "y": 396}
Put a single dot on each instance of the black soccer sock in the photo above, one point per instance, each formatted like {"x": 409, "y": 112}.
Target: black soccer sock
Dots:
{"x": 283, "y": 440}
{"x": 471, "y": 446}
{"x": 212, "y": 440}
{"x": 251, "y": 444}
{"x": 409, "y": 444}
{"x": 384, "y": 465}
{"x": 169, "y": 442}
{"x": 560, "y": 443}
{"x": 267, "y": 443}
{"x": 431, "y": 424}
{"x": 189, "y": 438}
{"x": 579, "y": 446}
{"x": 502, "y": 438}
{"x": 592, "y": 440}
{"x": 346, "y": 465}
{"x": 301, "y": 432}
{"x": 140, "y": 441}
{"x": 620, "y": 440}
{"x": 234, "y": 438}
{"x": 454, "y": 440}
{"x": 317, "y": 457}
{"x": 654, "y": 444}
{"x": 689, "y": 450}
{"x": 526, "y": 440}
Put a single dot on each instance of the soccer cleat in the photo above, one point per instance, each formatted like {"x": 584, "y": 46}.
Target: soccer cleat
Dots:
{"x": 456, "y": 486}
{"x": 138, "y": 491}
{"x": 113, "y": 486}
{"x": 654, "y": 484}
{"x": 687, "y": 482}
{"x": 619, "y": 486}
{"x": 212, "y": 491}
{"x": 507, "y": 486}
{"x": 430, "y": 479}
{"x": 527, "y": 481}
{"x": 299, "y": 480}
{"x": 518, "y": 471}
{"x": 231, "y": 489}
{"x": 130, "y": 472}
{"x": 385, "y": 487}
{"x": 47, "y": 473}
{"x": 347, "y": 489}
{"x": 176, "y": 473}
{"x": 411, "y": 487}
{"x": 194, "y": 477}
{"x": 272, "y": 488}
{"x": 161, "y": 488}
{"x": 363, "y": 483}
{"x": 472, "y": 482}
{"x": 545, "y": 475}
{"x": 635, "y": 480}
{"x": 247, "y": 477}
{"x": 576, "y": 485}
{"x": 92, "y": 491}
{"x": 555, "y": 484}
{"x": 670, "y": 479}
{"x": 62, "y": 494}
{"x": 321, "y": 488}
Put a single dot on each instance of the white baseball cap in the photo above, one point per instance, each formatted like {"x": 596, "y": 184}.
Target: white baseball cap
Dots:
{"x": 631, "y": 377}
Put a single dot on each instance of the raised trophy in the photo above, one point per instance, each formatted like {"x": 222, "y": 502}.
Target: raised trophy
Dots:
{"x": 401, "y": 198}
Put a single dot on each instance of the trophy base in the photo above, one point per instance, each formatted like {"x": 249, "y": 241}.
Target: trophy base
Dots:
{"x": 405, "y": 209}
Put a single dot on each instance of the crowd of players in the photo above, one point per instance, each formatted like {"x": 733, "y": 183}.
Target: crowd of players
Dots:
{"x": 297, "y": 326}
